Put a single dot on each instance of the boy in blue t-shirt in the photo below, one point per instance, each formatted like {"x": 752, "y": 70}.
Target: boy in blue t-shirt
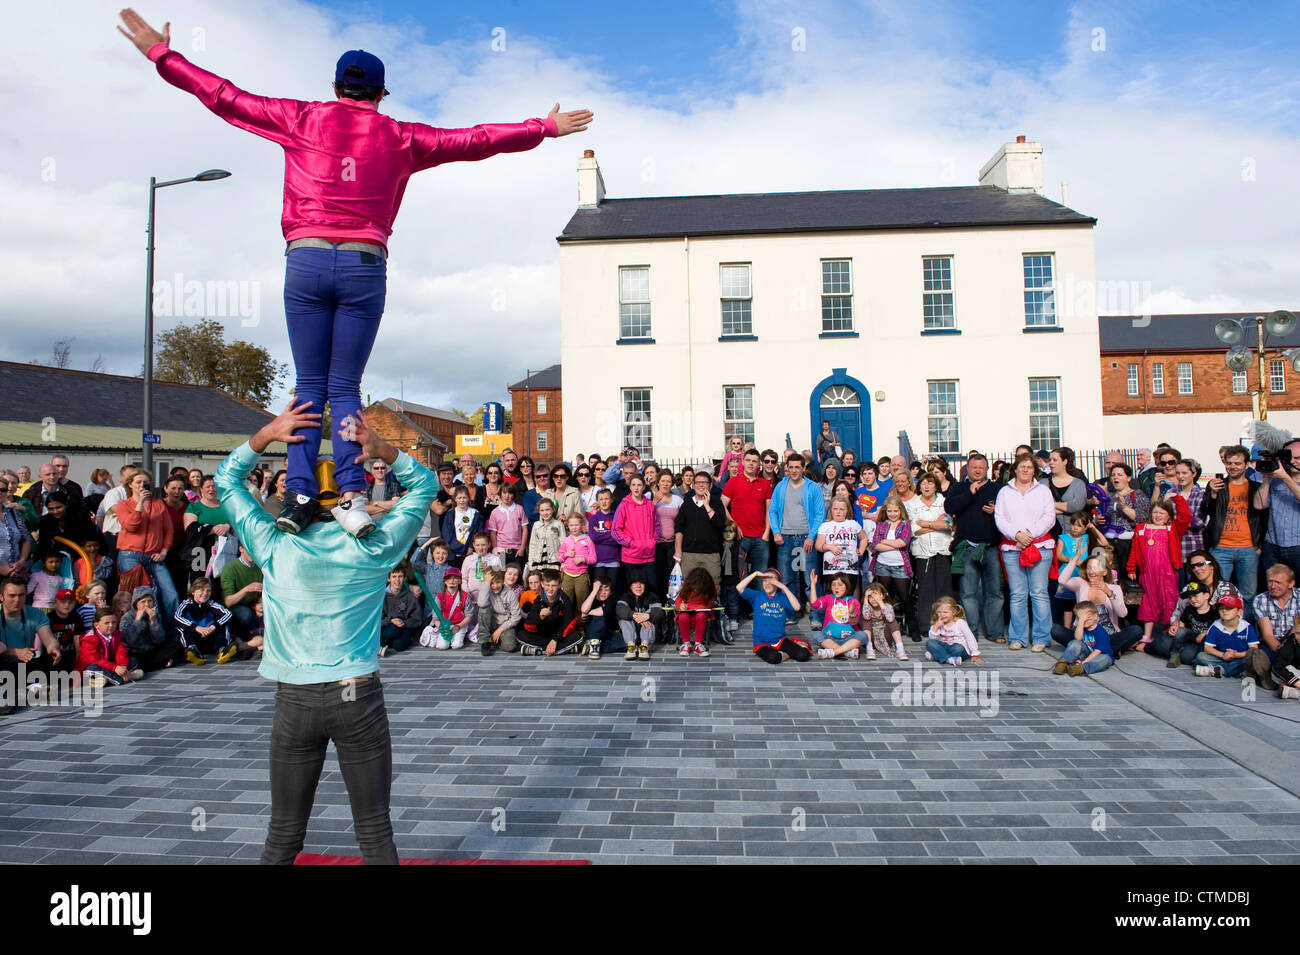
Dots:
{"x": 1226, "y": 642}
{"x": 1090, "y": 650}
{"x": 771, "y": 605}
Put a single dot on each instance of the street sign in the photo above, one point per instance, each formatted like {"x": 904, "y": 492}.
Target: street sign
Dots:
{"x": 152, "y": 438}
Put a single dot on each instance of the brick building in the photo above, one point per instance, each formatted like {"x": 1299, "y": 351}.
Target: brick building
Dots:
{"x": 1163, "y": 379}
{"x": 536, "y": 415}
{"x": 424, "y": 433}
{"x": 1174, "y": 364}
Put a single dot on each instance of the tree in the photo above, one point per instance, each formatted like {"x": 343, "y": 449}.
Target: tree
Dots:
{"x": 98, "y": 364}
{"x": 199, "y": 355}
{"x": 62, "y": 353}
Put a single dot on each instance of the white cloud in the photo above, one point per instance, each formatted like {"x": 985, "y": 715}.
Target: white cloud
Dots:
{"x": 879, "y": 98}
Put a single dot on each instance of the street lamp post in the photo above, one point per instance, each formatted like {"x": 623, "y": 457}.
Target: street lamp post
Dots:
{"x": 154, "y": 185}
{"x": 1232, "y": 332}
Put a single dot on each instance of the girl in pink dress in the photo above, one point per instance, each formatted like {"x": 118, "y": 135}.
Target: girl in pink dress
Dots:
{"x": 1156, "y": 556}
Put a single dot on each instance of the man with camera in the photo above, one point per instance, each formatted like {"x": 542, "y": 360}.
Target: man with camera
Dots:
{"x": 1234, "y": 523}
{"x": 1279, "y": 491}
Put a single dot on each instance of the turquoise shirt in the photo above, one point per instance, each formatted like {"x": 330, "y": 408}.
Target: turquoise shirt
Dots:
{"x": 323, "y": 589}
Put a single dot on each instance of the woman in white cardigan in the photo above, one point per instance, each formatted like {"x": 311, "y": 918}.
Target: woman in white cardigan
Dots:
{"x": 1025, "y": 513}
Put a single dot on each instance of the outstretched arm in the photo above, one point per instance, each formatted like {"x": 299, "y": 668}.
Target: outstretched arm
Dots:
{"x": 264, "y": 116}
{"x": 431, "y": 146}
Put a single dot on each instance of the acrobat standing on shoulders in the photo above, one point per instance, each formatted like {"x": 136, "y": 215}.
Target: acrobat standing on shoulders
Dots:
{"x": 346, "y": 168}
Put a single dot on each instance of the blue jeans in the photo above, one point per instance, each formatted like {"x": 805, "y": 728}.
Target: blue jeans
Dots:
{"x": 1075, "y": 649}
{"x": 981, "y": 594}
{"x": 1028, "y": 586}
{"x": 1271, "y": 554}
{"x": 161, "y": 577}
{"x": 752, "y": 555}
{"x": 1230, "y": 667}
{"x": 333, "y": 301}
{"x": 784, "y": 552}
{"x": 942, "y": 651}
{"x": 1241, "y": 566}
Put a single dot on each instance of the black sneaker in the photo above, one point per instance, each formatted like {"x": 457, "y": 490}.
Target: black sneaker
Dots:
{"x": 487, "y": 647}
{"x": 298, "y": 511}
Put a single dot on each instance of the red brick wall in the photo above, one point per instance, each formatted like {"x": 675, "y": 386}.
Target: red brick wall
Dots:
{"x": 442, "y": 429}
{"x": 401, "y": 435}
{"x": 1211, "y": 385}
{"x": 525, "y": 422}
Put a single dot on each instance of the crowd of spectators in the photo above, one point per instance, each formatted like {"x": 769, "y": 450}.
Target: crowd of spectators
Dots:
{"x": 617, "y": 554}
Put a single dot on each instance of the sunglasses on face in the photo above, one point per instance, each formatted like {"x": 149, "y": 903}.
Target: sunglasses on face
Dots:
{"x": 1168, "y": 464}
{"x": 1200, "y": 564}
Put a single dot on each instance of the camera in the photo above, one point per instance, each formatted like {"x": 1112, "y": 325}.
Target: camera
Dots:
{"x": 1269, "y": 461}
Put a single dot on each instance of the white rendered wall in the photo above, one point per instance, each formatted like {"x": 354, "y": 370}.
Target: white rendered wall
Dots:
{"x": 687, "y": 367}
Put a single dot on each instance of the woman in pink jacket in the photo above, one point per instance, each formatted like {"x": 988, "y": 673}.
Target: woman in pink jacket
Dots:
{"x": 346, "y": 168}
{"x": 634, "y": 529}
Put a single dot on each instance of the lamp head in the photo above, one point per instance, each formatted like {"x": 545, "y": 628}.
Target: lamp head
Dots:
{"x": 1238, "y": 358}
{"x": 209, "y": 174}
{"x": 1229, "y": 331}
{"x": 1280, "y": 322}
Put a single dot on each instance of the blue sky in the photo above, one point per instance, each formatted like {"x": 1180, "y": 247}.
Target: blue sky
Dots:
{"x": 1179, "y": 134}
{"x": 687, "y": 47}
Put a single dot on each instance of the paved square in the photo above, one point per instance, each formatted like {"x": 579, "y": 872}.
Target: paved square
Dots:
{"x": 724, "y": 759}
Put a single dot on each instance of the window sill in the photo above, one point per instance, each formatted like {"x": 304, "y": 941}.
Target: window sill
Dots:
{"x": 838, "y": 335}
{"x": 1036, "y": 329}
{"x": 634, "y": 341}
{"x": 941, "y": 331}
{"x": 737, "y": 338}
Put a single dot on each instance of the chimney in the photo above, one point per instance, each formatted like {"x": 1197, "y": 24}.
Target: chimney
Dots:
{"x": 1016, "y": 167}
{"x": 591, "y": 185}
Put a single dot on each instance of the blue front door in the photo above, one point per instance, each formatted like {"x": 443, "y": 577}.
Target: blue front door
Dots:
{"x": 847, "y": 423}
{"x": 842, "y": 401}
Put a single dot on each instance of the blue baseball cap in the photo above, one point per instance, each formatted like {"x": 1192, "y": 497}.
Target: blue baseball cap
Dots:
{"x": 359, "y": 68}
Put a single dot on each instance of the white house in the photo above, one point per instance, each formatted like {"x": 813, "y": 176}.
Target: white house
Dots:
{"x": 939, "y": 312}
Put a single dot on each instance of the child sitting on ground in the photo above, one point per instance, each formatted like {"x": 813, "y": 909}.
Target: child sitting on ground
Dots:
{"x": 694, "y": 605}
{"x": 204, "y": 625}
{"x": 66, "y": 625}
{"x": 879, "y": 622}
{"x": 771, "y": 605}
{"x": 499, "y": 616}
{"x": 1226, "y": 642}
{"x": 1181, "y": 642}
{"x": 1090, "y": 650}
{"x": 639, "y": 612}
{"x": 551, "y": 624}
{"x": 1285, "y": 670}
{"x": 142, "y": 630}
{"x": 950, "y": 640}
{"x": 103, "y": 659}
{"x": 449, "y": 625}
{"x": 402, "y": 617}
{"x": 600, "y": 618}
{"x": 839, "y": 636}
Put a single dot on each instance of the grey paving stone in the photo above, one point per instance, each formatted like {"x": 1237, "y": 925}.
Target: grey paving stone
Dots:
{"x": 713, "y": 770}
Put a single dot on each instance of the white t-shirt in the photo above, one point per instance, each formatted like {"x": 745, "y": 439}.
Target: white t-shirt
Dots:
{"x": 891, "y": 558}
{"x": 845, "y": 534}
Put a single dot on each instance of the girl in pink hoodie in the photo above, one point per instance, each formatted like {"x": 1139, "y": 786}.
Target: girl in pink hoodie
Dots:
{"x": 346, "y": 168}
{"x": 634, "y": 529}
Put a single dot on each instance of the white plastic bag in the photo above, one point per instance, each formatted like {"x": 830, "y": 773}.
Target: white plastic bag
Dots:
{"x": 674, "y": 581}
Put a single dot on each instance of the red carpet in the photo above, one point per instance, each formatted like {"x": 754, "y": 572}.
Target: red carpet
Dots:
{"x": 311, "y": 858}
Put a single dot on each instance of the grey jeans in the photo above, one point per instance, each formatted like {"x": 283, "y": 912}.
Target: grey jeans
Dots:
{"x": 307, "y": 717}
{"x": 487, "y": 622}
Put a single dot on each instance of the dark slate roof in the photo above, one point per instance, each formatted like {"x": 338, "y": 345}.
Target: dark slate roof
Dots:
{"x": 35, "y": 392}
{"x": 1132, "y": 333}
{"x": 850, "y": 210}
{"x": 546, "y": 378}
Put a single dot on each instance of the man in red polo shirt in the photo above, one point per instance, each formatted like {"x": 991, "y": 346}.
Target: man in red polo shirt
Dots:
{"x": 745, "y": 498}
